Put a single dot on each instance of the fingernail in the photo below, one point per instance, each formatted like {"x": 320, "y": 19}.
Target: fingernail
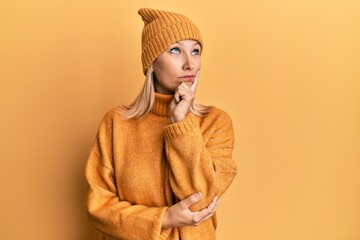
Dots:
{"x": 198, "y": 195}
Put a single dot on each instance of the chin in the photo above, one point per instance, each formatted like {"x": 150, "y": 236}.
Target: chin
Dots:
{"x": 189, "y": 84}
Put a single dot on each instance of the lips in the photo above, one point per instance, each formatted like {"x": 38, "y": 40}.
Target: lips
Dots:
{"x": 188, "y": 77}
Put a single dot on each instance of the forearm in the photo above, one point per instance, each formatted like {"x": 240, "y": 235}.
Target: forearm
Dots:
{"x": 112, "y": 216}
{"x": 195, "y": 175}
{"x": 196, "y": 165}
{"x": 125, "y": 221}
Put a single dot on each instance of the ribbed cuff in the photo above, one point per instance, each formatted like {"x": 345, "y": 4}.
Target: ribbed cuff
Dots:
{"x": 157, "y": 231}
{"x": 189, "y": 124}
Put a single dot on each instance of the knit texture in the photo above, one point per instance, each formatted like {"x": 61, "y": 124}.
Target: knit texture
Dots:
{"x": 137, "y": 169}
{"x": 161, "y": 29}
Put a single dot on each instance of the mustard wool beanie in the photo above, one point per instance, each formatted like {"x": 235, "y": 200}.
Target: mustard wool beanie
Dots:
{"x": 161, "y": 29}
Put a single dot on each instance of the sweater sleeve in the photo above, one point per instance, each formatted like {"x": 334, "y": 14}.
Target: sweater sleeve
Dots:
{"x": 105, "y": 211}
{"x": 198, "y": 166}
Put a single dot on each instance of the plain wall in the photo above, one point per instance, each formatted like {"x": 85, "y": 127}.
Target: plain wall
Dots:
{"x": 287, "y": 72}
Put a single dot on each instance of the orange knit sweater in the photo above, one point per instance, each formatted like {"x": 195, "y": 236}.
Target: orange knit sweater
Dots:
{"x": 138, "y": 168}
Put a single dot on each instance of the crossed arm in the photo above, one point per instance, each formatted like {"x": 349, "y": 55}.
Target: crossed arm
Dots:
{"x": 196, "y": 165}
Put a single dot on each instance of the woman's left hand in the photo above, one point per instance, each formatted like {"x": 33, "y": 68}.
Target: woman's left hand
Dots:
{"x": 183, "y": 98}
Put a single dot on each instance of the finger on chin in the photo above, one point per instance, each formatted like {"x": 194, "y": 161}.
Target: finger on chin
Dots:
{"x": 195, "y": 83}
{"x": 189, "y": 84}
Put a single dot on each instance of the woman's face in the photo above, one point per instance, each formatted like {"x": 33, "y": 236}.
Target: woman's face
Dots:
{"x": 179, "y": 63}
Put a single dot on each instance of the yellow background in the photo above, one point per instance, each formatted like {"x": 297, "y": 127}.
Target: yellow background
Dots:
{"x": 287, "y": 72}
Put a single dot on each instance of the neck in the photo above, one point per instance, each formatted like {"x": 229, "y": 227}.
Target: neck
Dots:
{"x": 162, "y": 104}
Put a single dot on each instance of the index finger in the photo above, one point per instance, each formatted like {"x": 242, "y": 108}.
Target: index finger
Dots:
{"x": 195, "y": 83}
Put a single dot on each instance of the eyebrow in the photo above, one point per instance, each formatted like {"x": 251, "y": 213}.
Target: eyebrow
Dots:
{"x": 196, "y": 43}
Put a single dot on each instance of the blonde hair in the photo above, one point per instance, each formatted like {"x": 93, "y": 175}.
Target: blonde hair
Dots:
{"x": 145, "y": 100}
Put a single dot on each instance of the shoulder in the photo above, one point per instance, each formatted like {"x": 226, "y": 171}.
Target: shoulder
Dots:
{"x": 111, "y": 117}
{"x": 112, "y": 113}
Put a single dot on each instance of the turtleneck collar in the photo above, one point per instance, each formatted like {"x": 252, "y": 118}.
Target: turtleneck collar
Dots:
{"x": 161, "y": 104}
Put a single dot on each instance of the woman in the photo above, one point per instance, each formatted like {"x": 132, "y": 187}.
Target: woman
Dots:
{"x": 158, "y": 166}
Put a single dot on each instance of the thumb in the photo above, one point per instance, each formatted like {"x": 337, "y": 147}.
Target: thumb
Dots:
{"x": 187, "y": 202}
{"x": 172, "y": 103}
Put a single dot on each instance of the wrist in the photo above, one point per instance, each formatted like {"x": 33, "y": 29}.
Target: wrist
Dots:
{"x": 165, "y": 221}
{"x": 176, "y": 119}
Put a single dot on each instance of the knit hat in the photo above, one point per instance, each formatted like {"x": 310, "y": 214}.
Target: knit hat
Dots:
{"x": 161, "y": 29}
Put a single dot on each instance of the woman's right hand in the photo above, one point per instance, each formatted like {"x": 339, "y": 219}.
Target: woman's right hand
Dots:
{"x": 179, "y": 214}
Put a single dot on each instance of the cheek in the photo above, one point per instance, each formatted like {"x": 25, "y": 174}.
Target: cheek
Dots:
{"x": 171, "y": 66}
{"x": 164, "y": 75}
{"x": 169, "y": 70}
{"x": 198, "y": 63}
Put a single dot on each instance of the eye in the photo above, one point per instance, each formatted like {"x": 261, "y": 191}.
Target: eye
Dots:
{"x": 196, "y": 52}
{"x": 175, "y": 50}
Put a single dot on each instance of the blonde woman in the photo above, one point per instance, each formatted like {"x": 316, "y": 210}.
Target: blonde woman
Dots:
{"x": 158, "y": 166}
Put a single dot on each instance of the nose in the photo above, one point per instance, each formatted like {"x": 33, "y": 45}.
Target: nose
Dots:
{"x": 188, "y": 62}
